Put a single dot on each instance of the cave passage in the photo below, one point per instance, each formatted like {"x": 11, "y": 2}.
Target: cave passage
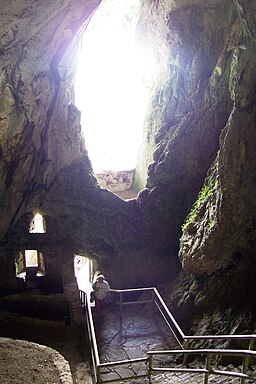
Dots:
{"x": 84, "y": 271}
{"x": 110, "y": 91}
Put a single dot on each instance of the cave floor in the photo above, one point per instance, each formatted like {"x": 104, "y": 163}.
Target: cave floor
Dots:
{"x": 139, "y": 331}
{"x": 68, "y": 341}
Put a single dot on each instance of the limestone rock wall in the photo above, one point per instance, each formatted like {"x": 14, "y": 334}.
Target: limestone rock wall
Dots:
{"x": 39, "y": 125}
{"x": 201, "y": 127}
{"x": 221, "y": 227}
{"x": 38, "y": 133}
{"x": 188, "y": 112}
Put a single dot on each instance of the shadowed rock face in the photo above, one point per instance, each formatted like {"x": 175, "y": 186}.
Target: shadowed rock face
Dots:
{"x": 223, "y": 222}
{"x": 199, "y": 135}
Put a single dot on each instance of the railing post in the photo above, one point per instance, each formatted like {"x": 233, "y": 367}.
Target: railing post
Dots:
{"x": 121, "y": 309}
{"x": 244, "y": 367}
{"x": 185, "y": 346}
{"x": 150, "y": 362}
{"x": 83, "y": 300}
{"x": 207, "y": 367}
{"x": 251, "y": 344}
{"x": 246, "y": 360}
{"x": 98, "y": 374}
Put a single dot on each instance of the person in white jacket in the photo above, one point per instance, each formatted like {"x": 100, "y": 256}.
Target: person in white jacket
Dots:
{"x": 101, "y": 294}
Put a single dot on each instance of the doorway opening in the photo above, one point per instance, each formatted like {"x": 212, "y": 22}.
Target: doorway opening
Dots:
{"x": 84, "y": 272}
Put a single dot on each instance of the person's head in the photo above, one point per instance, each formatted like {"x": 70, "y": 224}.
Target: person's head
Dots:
{"x": 100, "y": 278}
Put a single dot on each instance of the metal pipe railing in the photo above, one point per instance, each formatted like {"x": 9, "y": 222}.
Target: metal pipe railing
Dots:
{"x": 251, "y": 338}
{"x": 176, "y": 330}
{"x": 182, "y": 339}
{"x": 93, "y": 344}
{"x": 208, "y": 369}
{"x": 93, "y": 341}
{"x": 168, "y": 324}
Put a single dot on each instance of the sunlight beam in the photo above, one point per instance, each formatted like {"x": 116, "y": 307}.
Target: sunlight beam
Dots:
{"x": 109, "y": 87}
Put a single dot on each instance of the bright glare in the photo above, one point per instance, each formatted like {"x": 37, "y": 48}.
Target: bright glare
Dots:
{"x": 37, "y": 225}
{"x": 109, "y": 87}
{"x": 83, "y": 271}
{"x": 31, "y": 258}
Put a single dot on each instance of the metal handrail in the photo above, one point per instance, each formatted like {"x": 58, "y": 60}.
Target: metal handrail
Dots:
{"x": 91, "y": 333}
{"x": 96, "y": 364}
{"x": 160, "y": 304}
{"x": 181, "y": 338}
{"x": 208, "y": 369}
{"x": 174, "y": 327}
{"x": 251, "y": 338}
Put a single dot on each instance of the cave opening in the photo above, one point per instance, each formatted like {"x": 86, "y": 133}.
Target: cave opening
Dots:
{"x": 110, "y": 87}
{"x": 84, "y": 269}
{"x": 37, "y": 224}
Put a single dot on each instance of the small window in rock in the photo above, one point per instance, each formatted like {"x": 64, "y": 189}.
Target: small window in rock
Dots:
{"x": 37, "y": 225}
{"x": 28, "y": 260}
{"x": 31, "y": 258}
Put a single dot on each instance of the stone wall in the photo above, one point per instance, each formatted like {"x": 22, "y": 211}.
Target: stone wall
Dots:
{"x": 120, "y": 183}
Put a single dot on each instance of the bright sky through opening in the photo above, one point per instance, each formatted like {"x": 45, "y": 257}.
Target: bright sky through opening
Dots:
{"x": 109, "y": 87}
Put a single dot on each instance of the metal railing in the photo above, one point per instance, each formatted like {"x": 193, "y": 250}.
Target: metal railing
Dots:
{"x": 208, "y": 366}
{"x": 96, "y": 364}
{"x": 151, "y": 295}
{"x": 250, "y": 338}
{"x": 155, "y": 298}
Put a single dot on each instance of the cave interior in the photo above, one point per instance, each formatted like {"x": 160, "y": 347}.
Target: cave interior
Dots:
{"x": 189, "y": 227}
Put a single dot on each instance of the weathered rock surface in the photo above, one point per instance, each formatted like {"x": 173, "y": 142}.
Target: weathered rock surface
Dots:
{"x": 43, "y": 364}
{"x": 221, "y": 227}
{"x": 202, "y": 128}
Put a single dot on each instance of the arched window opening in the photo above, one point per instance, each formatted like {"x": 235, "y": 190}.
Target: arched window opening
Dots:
{"x": 111, "y": 90}
{"x": 37, "y": 224}
{"x": 84, "y": 270}
{"x": 28, "y": 263}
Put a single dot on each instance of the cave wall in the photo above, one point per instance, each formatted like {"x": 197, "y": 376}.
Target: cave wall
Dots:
{"x": 203, "y": 122}
{"x": 188, "y": 113}
{"x": 202, "y": 135}
{"x": 223, "y": 225}
{"x": 199, "y": 135}
{"x": 30, "y": 92}
{"x": 39, "y": 125}
{"x": 33, "y": 40}
{"x": 44, "y": 163}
